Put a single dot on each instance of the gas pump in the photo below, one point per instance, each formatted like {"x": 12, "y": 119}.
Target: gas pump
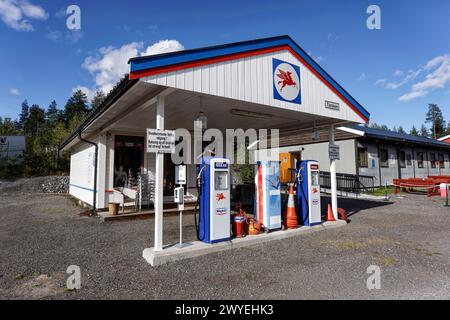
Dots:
{"x": 213, "y": 184}
{"x": 268, "y": 195}
{"x": 308, "y": 192}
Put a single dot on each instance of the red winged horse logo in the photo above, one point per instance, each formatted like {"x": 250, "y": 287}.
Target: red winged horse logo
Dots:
{"x": 286, "y": 79}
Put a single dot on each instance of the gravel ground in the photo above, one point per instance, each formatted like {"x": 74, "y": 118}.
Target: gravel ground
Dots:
{"x": 408, "y": 238}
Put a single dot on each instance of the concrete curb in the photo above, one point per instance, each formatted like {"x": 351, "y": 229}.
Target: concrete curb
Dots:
{"x": 197, "y": 248}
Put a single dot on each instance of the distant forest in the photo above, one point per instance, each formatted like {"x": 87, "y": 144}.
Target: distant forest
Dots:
{"x": 44, "y": 130}
{"x": 437, "y": 126}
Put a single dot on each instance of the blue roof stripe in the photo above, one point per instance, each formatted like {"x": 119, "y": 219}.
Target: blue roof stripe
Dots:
{"x": 156, "y": 61}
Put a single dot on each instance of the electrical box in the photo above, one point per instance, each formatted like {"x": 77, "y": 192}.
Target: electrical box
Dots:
{"x": 308, "y": 192}
{"x": 180, "y": 175}
{"x": 179, "y": 195}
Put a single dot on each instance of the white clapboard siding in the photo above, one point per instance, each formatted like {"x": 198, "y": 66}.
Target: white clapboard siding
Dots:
{"x": 82, "y": 173}
{"x": 251, "y": 79}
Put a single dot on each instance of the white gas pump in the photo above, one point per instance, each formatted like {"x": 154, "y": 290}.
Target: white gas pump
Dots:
{"x": 308, "y": 192}
{"x": 214, "y": 200}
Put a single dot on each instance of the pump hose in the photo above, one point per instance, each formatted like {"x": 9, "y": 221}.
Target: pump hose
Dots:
{"x": 197, "y": 204}
{"x": 303, "y": 194}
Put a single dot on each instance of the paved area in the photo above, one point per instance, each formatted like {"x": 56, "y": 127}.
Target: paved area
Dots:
{"x": 408, "y": 238}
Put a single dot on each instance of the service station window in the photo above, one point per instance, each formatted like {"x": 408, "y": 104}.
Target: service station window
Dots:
{"x": 433, "y": 160}
{"x": 441, "y": 161}
{"x": 363, "y": 159}
{"x": 384, "y": 159}
{"x": 408, "y": 159}
{"x": 401, "y": 159}
{"x": 420, "y": 159}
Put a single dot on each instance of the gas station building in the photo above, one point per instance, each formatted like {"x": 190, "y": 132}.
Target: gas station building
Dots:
{"x": 269, "y": 83}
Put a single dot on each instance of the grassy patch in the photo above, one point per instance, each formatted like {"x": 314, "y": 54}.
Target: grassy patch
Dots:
{"x": 382, "y": 191}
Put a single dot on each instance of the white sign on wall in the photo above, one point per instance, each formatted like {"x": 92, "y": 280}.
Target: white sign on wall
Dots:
{"x": 160, "y": 141}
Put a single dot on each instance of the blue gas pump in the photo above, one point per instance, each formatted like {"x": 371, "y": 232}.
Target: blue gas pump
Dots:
{"x": 214, "y": 200}
{"x": 308, "y": 192}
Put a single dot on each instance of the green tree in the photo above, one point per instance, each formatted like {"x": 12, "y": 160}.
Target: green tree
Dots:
{"x": 97, "y": 100}
{"x": 378, "y": 126}
{"x": 24, "y": 114}
{"x": 76, "y": 107}
{"x": 424, "y": 131}
{"x": 53, "y": 115}
{"x": 7, "y": 127}
{"x": 401, "y": 130}
{"x": 414, "y": 131}
{"x": 434, "y": 116}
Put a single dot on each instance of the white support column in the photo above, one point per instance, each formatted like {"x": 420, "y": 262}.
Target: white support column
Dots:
{"x": 159, "y": 176}
{"x": 101, "y": 171}
{"x": 334, "y": 205}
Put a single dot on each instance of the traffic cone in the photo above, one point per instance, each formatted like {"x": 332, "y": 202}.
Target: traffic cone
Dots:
{"x": 291, "y": 216}
{"x": 330, "y": 216}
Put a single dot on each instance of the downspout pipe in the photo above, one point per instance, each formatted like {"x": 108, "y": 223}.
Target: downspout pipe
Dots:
{"x": 94, "y": 202}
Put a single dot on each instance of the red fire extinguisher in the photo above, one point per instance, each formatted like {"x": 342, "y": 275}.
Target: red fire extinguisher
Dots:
{"x": 238, "y": 223}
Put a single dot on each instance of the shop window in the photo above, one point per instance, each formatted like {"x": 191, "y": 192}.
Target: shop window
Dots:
{"x": 433, "y": 160}
{"x": 384, "y": 159}
{"x": 441, "y": 161}
{"x": 401, "y": 159}
{"x": 363, "y": 159}
{"x": 408, "y": 159}
{"x": 419, "y": 159}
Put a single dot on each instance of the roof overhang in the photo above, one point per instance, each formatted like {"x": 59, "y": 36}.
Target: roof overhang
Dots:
{"x": 146, "y": 66}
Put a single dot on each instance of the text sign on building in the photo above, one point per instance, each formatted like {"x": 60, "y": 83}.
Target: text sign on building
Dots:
{"x": 160, "y": 141}
{"x": 332, "y": 105}
{"x": 333, "y": 152}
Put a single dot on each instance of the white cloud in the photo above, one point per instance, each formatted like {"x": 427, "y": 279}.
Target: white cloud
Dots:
{"x": 14, "y": 91}
{"x": 14, "y": 14}
{"x": 437, "y": 77}
{"x": 110, "y": 64}
{"x": 380, "y": 82}
{"x": 163, "y": 46}
{"x": 362, "y": 77}
{"x": 412, "y": 95}
{"x": 398, "y": 73}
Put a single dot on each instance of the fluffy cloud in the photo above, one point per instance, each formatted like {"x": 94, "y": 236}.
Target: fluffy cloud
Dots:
{"x": 15, "y": 14}
{"x": 163, "y": 46}
{"x": 14, "y": 91}
{"x": 109, "y": 64}
{"x": 437, "y": 77}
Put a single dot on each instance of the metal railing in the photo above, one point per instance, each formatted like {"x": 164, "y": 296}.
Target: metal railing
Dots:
{"x": 348, "y": 182}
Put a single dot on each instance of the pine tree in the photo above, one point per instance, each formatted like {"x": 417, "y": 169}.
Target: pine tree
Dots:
{"x": 434, "y": 116}
{"x": 23, "y": 116}
{"x": 414, "y": 131}
{"x": 52, "y": 115}
{"x": 76, "y": 107}
{"x": 97, "y": 100}
{"x": 401, "y": 130}
{"x": 424, "y": 131}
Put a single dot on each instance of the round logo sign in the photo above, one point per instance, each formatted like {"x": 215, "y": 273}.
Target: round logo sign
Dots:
{"x": 286, "y": 81}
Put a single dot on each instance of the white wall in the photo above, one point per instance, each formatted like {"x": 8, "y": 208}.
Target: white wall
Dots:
{"x": 251, "y": 79}
{"x": 82, "y": 161}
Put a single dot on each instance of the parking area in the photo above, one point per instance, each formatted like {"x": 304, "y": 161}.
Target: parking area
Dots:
{"x": 407, "y": 237}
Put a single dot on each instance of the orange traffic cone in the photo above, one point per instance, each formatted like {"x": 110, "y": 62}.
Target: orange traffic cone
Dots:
{"x": 291, "y": 216}
{"x": 330, "y": 216}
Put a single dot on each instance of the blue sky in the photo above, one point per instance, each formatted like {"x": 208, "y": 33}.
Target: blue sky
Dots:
{"x": 393, "y": 72}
